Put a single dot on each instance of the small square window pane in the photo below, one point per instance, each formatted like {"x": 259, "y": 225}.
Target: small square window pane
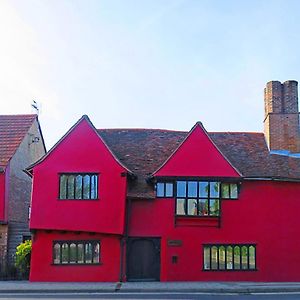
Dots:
{"x": 94, "y": 189}
{"x": 203, "y": 189}
{"x": 214, "y": 207}
{"x": 181, "y": 188}
{"x": 233, "y": 191}
{"x": 56, "y": 254}
{"x": 160, "y": 189}
{"x": 214, "y": 258}
{"x": 192, "y": 188}
{"x": 78, "y": 189}
{"x": 71, "y": 187}
{"x": 80, "y": 256}
{"x": 192, "y": 207}
{"x": 251, "y": 257}
{"x": 229, "y": 258}
{"x": 63, "y": 187}
{"x": 215, "y": 189}
{"x": 96, "y": 253}
{"x": 180, "y": 207}
{"x": 73, "y": 253}
{"x": 169, "y": 189}
{"x": 203, "y": 207}
{"x": 237, "y": 258}
{"x": 225, "y": 190}
{"x": 65, "y": 253}
{"x": 244, "y": 253}
{"x": 88, "y": 253}
{"x": 221, "y": 258}
{"x": 206, "y": 262}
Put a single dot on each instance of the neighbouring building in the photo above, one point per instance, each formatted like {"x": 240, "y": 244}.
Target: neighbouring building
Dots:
{"x": 21, "y": 144}
{"x": 150, "y": 204}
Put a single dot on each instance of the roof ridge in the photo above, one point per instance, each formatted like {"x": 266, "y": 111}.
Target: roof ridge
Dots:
{"x": 141, "y": 129}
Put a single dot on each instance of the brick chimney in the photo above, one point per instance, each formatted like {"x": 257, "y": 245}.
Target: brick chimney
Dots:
{"x": 281, "y": 123}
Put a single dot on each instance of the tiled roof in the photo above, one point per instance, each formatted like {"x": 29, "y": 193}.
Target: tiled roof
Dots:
{"x": 12, "y": 131}
{"x": 144, "y": 150}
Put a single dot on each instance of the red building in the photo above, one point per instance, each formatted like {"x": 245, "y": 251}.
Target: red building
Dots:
{"x": 148, "y": 204}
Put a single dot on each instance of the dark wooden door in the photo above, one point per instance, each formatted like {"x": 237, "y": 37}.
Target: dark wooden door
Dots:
{"x": 143, "y": 259}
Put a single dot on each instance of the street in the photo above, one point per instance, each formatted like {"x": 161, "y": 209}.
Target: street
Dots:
{"x": 161, "y": 296}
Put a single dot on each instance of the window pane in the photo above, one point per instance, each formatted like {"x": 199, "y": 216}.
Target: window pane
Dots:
{"x": 63, "y": 187}
{"x": 214, "y": 258}
{"x": 96, "y": 253}
{"x": 56, "y": 254}
{"x": 71, "y": 179}
{"x": 225, "y": 190}
{"x": 192, "y": 188}
{"x": 73, "y": 253}
{"x": 169, "y": 189}
{"x": 180, "y": 206}
{"x": 252, "y": 257}
{"x": 214, "y": 207}
{"x": 203, "y": 207}
{"x": 229, "y": 258}
{"x": 222, "y": 258}
{"x": 192, "y": 207}
{"x": 233, "y": 191}
{"x": 80, "y": 256}
{"x": 181, "y": 188}
{"x": 160, "y": 189}
{"x": 203, "y": 189}
{"x": 206, "y": 263}
{"x": 86, "y": 187}
{"x": 237, "y": 258}
{"x": 215, "y": 189}
{"x": 244, "y": 257}
{"x": 65, "y": 253}
{"x": 88, "y": 253}
{"x": 78, "y": 192}
{"x": 94, "y": 183}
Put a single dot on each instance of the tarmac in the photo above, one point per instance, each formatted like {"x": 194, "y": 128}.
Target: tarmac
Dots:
{"x": 24, "y": 287}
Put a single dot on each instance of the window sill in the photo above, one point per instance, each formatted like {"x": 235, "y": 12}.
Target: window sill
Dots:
{"x": 207, "y": 221}
{"x": 229, "y": 270}
{"x": 78, "y": 199}
{"x": 75, "y": 265}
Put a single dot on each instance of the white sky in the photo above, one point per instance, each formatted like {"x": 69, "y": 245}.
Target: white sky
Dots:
{"x": 152, "y": 64}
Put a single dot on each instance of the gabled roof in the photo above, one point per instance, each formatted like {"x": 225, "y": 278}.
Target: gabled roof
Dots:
{"x": 212, "y": 147}
{"x": 145, "y": 150}
{"x": 13, "y": 129}
{"x": 28, "y": 170}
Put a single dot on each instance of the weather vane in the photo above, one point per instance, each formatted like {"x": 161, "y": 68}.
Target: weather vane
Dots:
{"x": 35, "y": 106}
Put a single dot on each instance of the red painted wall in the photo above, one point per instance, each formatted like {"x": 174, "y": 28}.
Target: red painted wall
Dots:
{"x": 197, "y": 156}
{"x": 2, "y": 196}
{"x": 81, "y": 151}
{"x": 42, "y": 268}
{"x": 266, "y": 214}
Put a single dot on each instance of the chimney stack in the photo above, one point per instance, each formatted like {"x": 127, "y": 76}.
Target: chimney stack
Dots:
{"x": 281, "y": 123}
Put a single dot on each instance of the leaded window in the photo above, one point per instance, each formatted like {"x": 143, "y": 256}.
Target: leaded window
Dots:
{"x": 76, "y": 252}
{"x": 230, "y": 257}
{"x": 79, "y": 186}
{"x": 198, "y": 198}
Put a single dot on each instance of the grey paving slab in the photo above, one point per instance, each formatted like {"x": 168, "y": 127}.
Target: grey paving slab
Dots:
{"x": 168, "y": 287}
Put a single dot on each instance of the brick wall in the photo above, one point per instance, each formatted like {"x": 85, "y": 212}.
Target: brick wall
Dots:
{"x": 281, "y": 124}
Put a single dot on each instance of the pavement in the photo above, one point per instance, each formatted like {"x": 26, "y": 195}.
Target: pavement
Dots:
{"x": 149, "y": 287}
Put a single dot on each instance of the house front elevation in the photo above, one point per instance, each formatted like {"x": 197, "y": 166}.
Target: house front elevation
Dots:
{"x": 151, "y": 204}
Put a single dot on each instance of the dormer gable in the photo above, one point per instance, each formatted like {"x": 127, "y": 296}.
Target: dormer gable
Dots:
{"x": 197, "y": 156}
{"x": 81, "y": 136}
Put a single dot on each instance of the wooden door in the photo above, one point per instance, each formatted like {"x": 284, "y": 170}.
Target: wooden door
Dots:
{"x": 143, "y": 259}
